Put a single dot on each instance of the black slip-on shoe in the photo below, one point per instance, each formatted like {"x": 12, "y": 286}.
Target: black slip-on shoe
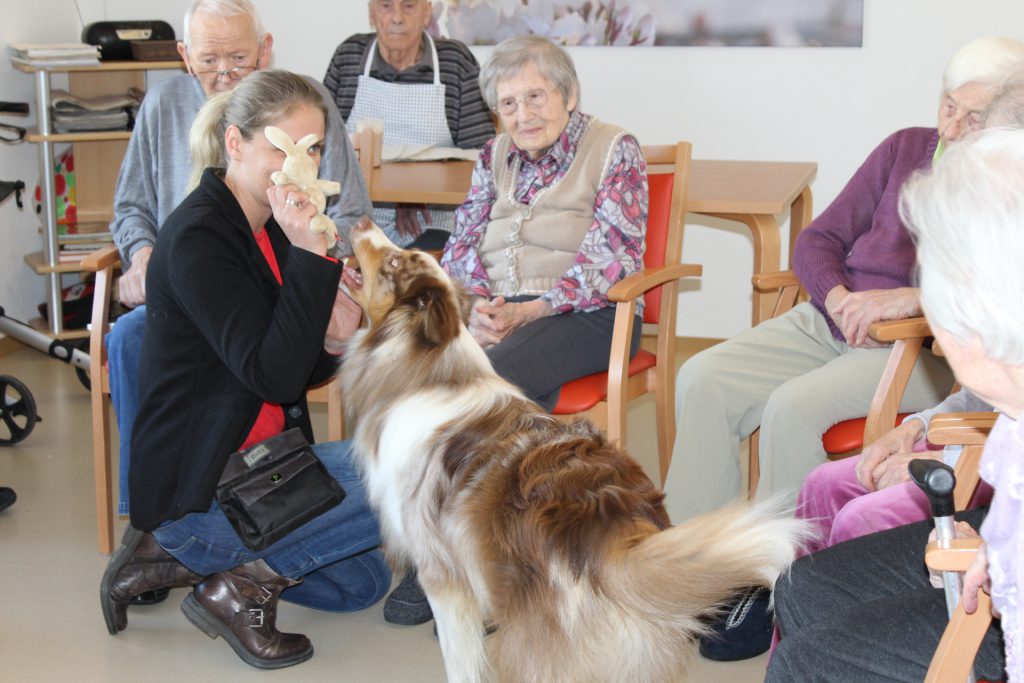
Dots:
{"x": 744, "y": 631}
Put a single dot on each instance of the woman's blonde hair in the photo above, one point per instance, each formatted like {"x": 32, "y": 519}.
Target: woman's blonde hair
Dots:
{"x": 259, "y": 100}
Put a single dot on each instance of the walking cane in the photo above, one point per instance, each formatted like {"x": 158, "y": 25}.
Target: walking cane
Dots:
{"x": 937, "y": 481}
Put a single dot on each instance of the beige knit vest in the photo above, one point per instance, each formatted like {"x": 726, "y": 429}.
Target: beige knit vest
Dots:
{"x": 527, "y": 249}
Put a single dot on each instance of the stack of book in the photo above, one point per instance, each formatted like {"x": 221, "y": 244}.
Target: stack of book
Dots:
{"x": 54, "y": 54}
{"x": 72, "y": 114}
{"x": 78, "y": 239}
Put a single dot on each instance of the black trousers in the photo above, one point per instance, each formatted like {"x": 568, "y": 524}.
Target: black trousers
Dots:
{"x": 864, "y": 611}
{"x": 541, "y": 356}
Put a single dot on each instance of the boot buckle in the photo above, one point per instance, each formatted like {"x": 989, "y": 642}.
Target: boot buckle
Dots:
{"x": 255, "y": 617}
{"x": 263, "y": 595}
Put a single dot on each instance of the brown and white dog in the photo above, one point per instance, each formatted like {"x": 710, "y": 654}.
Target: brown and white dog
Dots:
{"x": 515, "y": 519}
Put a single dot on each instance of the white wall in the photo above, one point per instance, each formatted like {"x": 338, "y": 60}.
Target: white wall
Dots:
{"x": 831, "y": 106}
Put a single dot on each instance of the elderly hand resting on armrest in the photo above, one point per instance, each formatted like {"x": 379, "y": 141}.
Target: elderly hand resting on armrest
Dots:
{"x": 131, "y": 287}
{"x": 855, "y": 312}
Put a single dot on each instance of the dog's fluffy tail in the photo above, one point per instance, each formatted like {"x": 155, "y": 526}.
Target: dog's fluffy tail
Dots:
{"x": 638, "y": 617}
{"x": 679, "y": 575}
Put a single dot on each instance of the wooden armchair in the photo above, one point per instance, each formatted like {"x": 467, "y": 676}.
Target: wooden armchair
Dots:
{"x": 907, "y": 336}
{"x": 102, "y": 264}
{"x": 604, "y": 397}
{"x": 960, "y": 642}
{"x": 367, "y": 144}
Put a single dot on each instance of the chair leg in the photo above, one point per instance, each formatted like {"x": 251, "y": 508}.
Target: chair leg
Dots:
{"x": 664, "y": 413}
{"x": 753, "y": 464}
{"x": 102, "y": 468}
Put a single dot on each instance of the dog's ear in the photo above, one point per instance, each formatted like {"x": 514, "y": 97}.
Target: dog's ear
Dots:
{"x": 435, "y": 310}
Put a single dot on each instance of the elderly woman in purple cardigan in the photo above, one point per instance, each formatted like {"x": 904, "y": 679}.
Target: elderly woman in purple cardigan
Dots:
{"x": 871, "y": 596}
{"x": 796, "y": 375}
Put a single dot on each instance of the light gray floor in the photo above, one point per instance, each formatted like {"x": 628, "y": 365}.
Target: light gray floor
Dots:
{"x": 51, "y": 628}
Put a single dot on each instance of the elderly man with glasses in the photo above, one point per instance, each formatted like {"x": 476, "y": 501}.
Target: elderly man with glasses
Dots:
{"x": 224, "y": 42}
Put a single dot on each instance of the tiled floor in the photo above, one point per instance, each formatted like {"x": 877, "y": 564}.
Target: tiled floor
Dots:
{"x": 51, "y": 628}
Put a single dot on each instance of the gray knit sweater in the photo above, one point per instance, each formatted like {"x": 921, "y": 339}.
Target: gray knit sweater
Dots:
{"x": 157, "y": 166}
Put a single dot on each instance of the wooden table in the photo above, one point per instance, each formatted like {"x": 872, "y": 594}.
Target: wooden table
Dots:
{"x": 754, "y": 193}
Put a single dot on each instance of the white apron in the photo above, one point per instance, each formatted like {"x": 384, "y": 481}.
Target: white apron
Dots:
{"x": 413, "y": 114}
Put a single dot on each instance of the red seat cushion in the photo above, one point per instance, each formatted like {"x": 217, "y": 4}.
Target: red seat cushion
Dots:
{"x": 848, "y": 435}
{"x": 580, "y": 395}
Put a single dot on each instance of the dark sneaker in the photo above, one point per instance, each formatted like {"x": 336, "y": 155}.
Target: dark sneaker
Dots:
{"x": 151, "y": 597}
{"x": 7, "y": 497}
{"x": 407, "y": 605}
{"x": 744, "y": 631}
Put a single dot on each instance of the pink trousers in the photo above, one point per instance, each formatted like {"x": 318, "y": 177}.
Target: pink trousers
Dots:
{"x": 832, "y": 498}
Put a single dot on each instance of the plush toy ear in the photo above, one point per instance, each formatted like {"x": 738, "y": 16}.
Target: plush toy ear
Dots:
{"x": 278, "y": 138}
{"x": 306, "y": 142}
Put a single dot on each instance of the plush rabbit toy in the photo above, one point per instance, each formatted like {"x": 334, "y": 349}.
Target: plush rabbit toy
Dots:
{"x": 300, "y": 170}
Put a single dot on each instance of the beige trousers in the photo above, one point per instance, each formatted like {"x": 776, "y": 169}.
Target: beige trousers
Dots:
{"x": 793, "y": 378}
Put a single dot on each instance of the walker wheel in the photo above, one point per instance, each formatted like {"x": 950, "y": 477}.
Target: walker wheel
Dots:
{"x": 17, "y": 411}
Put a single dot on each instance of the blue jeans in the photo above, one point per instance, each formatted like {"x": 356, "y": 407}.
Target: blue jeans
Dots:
{"x": 124, "y": 357}
{"x": 336, "y": 554}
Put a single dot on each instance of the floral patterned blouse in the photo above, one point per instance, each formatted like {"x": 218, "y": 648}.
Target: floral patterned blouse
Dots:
{"x": 1002, "y": 466}
{"x": 613, "y": 247}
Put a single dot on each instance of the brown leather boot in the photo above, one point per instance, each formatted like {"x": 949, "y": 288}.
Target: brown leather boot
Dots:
{"x": 241, "y": 605}
{"x": 138, "y": 566}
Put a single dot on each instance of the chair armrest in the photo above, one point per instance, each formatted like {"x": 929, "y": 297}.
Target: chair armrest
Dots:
{"x": 957, "y": 557}
{"x": 766, "y": 282}
{"x": 894, "y": 330}
{"x": 636, "y": 284}
{"x": 960, "y": 429}
{"x": 100, "y": 259}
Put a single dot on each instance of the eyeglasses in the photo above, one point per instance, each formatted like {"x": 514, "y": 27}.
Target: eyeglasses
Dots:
{"x": 234, "y": 73}
{"x": 535, "y": 99}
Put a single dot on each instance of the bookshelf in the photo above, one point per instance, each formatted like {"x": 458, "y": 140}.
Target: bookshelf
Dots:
{"x": 97, "y": 162}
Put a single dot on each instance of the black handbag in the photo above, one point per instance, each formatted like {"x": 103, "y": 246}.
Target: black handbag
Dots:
{"x": 274, "y": 487}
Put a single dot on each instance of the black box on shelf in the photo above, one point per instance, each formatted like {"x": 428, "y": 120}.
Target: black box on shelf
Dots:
{"x": 114, "y": 38}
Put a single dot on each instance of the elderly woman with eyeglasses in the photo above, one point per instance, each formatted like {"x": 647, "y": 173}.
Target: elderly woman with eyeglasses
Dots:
{"x": 556, "y": 215}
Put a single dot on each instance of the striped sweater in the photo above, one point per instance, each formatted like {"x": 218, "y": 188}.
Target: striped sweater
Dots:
{"x": 469, "y": 119}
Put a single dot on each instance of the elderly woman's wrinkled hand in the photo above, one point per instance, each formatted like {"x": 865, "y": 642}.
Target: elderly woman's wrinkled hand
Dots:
{"x": 977, "y": 578}
{"x": 855, "y": 312}
{"x": 491, "y": 321}
{"x": 873, "y": 458}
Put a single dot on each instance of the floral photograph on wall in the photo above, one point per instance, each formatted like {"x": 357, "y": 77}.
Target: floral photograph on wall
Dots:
{"x": 746, "y": 23}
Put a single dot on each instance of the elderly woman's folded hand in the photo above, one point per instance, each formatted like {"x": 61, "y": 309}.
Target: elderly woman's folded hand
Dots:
{"x": 491, "y": 321}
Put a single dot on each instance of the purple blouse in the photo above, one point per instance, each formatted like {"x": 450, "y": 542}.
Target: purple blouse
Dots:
{"x": 613, "y": 247}
{"x": 1002, "y": 466}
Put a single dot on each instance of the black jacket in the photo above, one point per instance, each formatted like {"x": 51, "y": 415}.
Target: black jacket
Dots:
{"x": 221, "y": 338}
